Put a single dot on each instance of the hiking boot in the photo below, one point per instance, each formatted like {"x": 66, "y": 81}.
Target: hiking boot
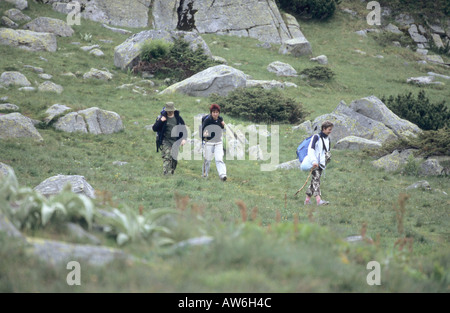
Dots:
{"x": 224, "y": 178}
{"x": 323, "y": 202}
{"x": 307, "y": 202}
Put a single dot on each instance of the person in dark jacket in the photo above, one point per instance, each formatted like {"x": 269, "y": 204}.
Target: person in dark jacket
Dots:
{"x": 212, "y": 127}
{"x": 171, "y": 133}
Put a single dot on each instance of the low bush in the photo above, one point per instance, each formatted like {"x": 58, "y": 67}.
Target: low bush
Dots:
{"x": 177, "y": 61}
{"x": 261, "y": 105}
{"x": 315, "y": 9}
{"x": 318, "y": 73}
{"x": 420, "y": 111}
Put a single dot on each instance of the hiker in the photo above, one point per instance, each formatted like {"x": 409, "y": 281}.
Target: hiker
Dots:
{"x": 171, "y": 129}
{"x": 212, "y": 129}
{"x": 319, "y": 154}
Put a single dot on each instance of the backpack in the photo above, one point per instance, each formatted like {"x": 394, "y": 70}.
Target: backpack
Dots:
{"x": 200, "y": 129}
{"x": 302, "y": 149}
{"x": 159, "y": 134}
{"x": 302, "y": 152}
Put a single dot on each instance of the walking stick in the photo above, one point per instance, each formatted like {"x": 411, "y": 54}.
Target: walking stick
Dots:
{"x": 310, "y": 172}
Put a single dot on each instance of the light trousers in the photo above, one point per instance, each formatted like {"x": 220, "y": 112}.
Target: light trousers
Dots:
{"x": 214, "y": 150}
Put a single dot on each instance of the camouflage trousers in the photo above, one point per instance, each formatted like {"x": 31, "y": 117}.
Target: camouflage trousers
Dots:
{"x": 314, "y": 189}
{"x": 169, "y": 163}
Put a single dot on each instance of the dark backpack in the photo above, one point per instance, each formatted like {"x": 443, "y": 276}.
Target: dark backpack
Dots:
{"x": 200, "y": 129}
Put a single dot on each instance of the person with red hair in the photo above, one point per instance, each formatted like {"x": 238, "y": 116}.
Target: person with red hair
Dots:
{"x": 212, "y": 129}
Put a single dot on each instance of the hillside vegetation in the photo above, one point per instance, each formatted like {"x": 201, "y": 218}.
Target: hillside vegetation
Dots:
{"x": 263, "y": 238}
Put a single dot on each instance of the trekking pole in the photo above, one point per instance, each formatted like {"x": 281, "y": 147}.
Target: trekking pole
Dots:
{"x": 310, "y": 172}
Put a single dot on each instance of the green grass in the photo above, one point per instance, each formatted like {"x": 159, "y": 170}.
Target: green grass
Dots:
{"x": 267, "y": 256}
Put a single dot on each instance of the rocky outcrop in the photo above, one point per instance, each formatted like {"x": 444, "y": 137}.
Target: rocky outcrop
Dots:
{"x": 54, "y": 185}
{"x": 356, "y": 143}
{"x": 28, "y": 40}
{"x": 394, "y": 161}
{"x": 50, "y": 25}
{"x": 374, "y": 108}
{"x": 220, "y": 79}
{"x": 15, "y": 125}
{"x": 251, "y": 18}
{"x": 130, "y": 13}
{"x": 126, "y": 55}
{"x": 93, "y": 120}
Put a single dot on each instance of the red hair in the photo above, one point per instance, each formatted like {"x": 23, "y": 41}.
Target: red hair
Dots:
{"x": 214, "y": 107}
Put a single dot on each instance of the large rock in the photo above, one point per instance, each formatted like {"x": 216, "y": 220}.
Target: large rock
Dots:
{"x": 55, "y": 111}
{"x": 61, "y": 253}
{"x": 7, "y": 22}
{"x": 14, "y": 78}
{"x": 17, "y": 15}
{"x": 92, "y": 120}
{"x": 54, "y": 185}
{"x": 350, "y": 123}
{"x": 126, "y": 55}
{"x": 220, "y": 79}
{"x": 394, "y": 161}
{"x": 281, "y": 69}
{"x": 19, "y": 4}
{"x": 374, "y": 108}
{"x": 15, "y": 125}
{"x": 28, "y": 40}
{"x": 431, "y": 167}
{"x": 296, "y": 47}
{"x": 356, "y": 143}
{"x": 250, "y": 18}
{"x": 130, "y": 13}
{"x": 50, "y": 25}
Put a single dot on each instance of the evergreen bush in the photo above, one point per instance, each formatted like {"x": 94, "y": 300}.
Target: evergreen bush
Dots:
{"x": 260, "y": 105}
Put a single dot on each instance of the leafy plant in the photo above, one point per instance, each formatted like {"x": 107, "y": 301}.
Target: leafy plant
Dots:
{"x": 28, "y": 209}
{"x": 420, "y": 111}
{"x": 260, "y": 105}
{"x": 132, "y": 225}
{"x": 86, "y": 37}
{"x": 412, "y": 166}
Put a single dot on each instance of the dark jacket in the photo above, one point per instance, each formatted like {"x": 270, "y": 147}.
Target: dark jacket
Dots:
{"x": 210, "y": 121}
{"x": 160, "y": 127}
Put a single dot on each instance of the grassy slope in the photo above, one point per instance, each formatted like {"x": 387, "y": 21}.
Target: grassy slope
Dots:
{"x": 358, "y": 192}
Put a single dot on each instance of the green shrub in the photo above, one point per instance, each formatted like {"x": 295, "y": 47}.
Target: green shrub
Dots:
{"x": 318, "y": 73}
{"x": 180, "y": 61}
{"x": 426, "y": 115}
{"x": 385, "y": 39}
{"x": 428, "y": 143}
{"x": 155, "y": 49}
{"x": 316, "y": 9}
{"x": 260, "y": 105}
{"x": 412, "y": 166}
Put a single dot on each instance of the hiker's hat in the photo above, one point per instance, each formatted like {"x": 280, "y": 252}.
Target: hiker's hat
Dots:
{"x": 170, "y": 107}
{"x": 213, "y": 107}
